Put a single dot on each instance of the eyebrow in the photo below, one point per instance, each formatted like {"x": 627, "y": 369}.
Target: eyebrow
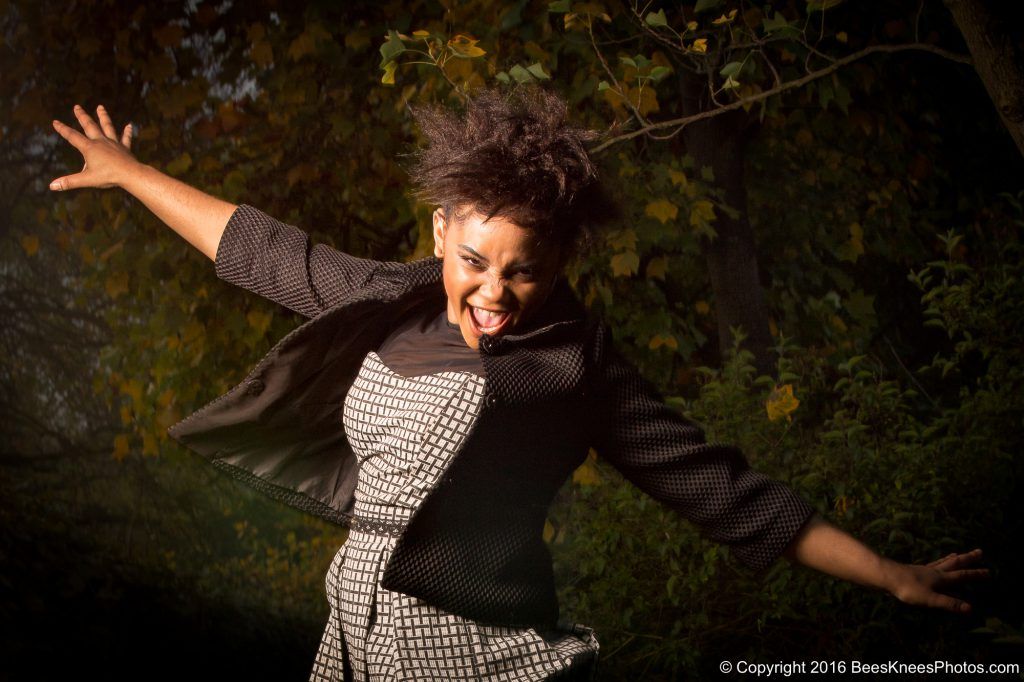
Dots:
{"x": 525, "y": 264}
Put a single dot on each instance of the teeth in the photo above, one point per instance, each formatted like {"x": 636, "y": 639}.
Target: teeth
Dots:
{"x": 488, "y": 320}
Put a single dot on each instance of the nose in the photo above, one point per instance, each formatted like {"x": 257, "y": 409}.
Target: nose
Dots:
{"x": 494, "y": 287}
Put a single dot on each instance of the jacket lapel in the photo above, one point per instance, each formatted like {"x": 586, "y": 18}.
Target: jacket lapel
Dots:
{"x": 280, "y": 430}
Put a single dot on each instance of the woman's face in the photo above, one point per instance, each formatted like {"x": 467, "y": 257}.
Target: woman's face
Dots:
{"x": 496, "y": 274}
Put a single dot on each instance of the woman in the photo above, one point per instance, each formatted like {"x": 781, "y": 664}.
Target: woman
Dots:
{"x": 436, "y": 407}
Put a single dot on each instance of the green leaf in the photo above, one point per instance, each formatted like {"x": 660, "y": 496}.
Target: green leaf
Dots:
{"x": 538, "y": 72}
{"x": 779, "y": 24}
{"x": 628, "y": 61}
{"x": 389, "y": 73}
{"x": 821, "y": 5}
{"x": 625, "y": 264}
{"x": 731, "y": 69}
{"x": 705, "y": 5}
{"x": 502, "y": 77}
{"x": 531, "y": 75}
{"x": 392, "y": 48}
{"x": 559, "y": 6}
{"x": 602, "y": 86}
{"x": 180, "y": 165}
{"x": 659, "y": 72}
{"x": 656, "y": 18}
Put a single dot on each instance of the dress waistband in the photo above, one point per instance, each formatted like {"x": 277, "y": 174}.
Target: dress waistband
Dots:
{"x": 375, "y": 526}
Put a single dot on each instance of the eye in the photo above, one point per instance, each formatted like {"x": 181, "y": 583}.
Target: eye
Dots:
{"x": 474, "y": 262}
{"x": 526, "y": 274}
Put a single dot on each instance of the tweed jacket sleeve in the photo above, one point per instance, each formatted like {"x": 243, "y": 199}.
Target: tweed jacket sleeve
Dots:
{"x": 277, "y": 261}
{"x": 666, "y": 455}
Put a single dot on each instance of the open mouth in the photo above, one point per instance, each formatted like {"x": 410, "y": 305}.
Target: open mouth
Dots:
{"x": 488, "y": 321}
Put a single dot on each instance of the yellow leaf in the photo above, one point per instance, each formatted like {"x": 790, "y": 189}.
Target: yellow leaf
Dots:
{"x": 842, "y": 37}
{"x": 725, "y": 19}
{"x": 549, "y": 531}
{"x": 259, "y": 320}
{"x": 667, "y": 340}
{"x": 30, "y": 243}
{"x": 586, "y": 474}
{"x": 126, "y": 415}
{"x": 149, "y": 445}
{"x": 657, "y": 267}
{"x": 700, "y": 45}
{"x": 662, "y": 209}
{"x": 389, "y": 73}
{"x": 464, "y": 46}
{"x": 856, "y": 239}
{"x": 421, "y": 34}
{"x": 133, "y": 387}
{"x": 262, "y": 53}
{"x": 117, "y": 284}
{"x": 625, "y": 264}
{"x": 192, "y": 332}
{"x": 624, "y": 240}
{"x": 677, "y": 177}
{"x": 301, "y": 46}
{"x": 165, "y": 398}
{"x": 179, "y": 165}
{"x": 781, "y": 403}
{"x": 702, "y": 307}
{"x": 702, "y": 211}
{"x": 691, "y": 26}
{"x": 838, "y": 323}
{"x": 256, "y": 32}
{"x": 120, "y": 447}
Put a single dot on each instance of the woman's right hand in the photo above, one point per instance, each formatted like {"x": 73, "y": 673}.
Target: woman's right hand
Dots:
{"x": 108, "y": 161}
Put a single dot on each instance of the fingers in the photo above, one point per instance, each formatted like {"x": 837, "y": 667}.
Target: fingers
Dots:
{"x": 67, "y": 182}
{"x": 952, "y": 604}
{"x": 954, "y": 560}
{"x": 77, "y": 139}
{"x": 92, "y": 131}
{"x": 126, "y": 136}
{"x": 105, "y": 123}
{"x": 967, "y": 574}
{"x": 935, "y": 564}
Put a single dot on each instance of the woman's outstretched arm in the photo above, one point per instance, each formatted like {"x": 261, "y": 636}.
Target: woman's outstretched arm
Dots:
{"x": 198, "y": 217}
{"x": 824, "y": 547}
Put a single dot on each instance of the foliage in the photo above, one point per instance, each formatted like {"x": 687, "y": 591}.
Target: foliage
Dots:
{"x": 875, "y": 453}
{"x": 904, "y": 434}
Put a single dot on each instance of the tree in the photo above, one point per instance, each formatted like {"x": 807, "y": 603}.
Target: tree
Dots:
{"x": 728, "y": 58}
{"x": 993, "y": 35}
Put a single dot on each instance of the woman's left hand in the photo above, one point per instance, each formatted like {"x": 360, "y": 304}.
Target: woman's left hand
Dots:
{"x": 926, "y": 585}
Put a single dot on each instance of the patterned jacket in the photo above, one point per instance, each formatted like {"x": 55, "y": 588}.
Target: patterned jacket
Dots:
{"x": 474, "y": 546}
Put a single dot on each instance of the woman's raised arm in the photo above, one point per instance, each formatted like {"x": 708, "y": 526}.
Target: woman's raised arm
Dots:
{"x": 198, "y": 217}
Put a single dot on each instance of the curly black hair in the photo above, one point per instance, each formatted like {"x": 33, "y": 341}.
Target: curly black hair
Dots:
{"x": 513, "y": 154}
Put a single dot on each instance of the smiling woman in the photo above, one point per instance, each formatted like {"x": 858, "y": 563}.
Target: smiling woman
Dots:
{"x": 496, "y": 274}
{"x": 436, "y": 407}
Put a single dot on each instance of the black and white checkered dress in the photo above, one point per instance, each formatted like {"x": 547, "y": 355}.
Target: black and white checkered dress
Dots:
{"x": 405, "y": 430}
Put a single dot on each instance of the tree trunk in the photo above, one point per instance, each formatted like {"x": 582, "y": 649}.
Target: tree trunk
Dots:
{"x": 719, "y": 143}
{"x": 989, "y": 29}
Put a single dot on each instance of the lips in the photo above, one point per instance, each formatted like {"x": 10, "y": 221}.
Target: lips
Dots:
{"x": 488, "y": 321}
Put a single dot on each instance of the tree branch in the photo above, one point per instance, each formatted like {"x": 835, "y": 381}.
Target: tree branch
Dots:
{"x": 680, "y": 123}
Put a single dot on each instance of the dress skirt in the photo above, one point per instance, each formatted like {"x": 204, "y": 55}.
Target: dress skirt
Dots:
{"x": 405, "y": 430}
